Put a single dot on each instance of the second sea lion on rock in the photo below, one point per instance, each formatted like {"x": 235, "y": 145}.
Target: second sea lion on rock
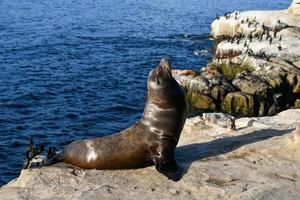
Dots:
{"x": 152, "y": 140}
{"x": 185, "y": 72}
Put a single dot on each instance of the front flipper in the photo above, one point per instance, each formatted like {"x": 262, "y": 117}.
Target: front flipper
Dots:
{"x": 165, "y": 163}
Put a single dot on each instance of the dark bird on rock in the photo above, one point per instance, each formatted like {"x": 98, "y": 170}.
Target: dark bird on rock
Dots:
{"x": 233, "y": 38}
{"x": 277, "y": 104}
{"x": 280, "y": 26}
{"x": 270, "y": 40}
{"x": 279, "y": 47}
{"x": 227, "y": 16}
{"x": 235, "y": 15}
{"x": 250, "y": 37}
{"x": 280, "y": 38}
{"x": 268, "y": 35}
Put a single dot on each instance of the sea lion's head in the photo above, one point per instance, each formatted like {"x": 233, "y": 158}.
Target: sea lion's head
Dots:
{"x": 161, "y": 76}
{"x": 163, "y": 89}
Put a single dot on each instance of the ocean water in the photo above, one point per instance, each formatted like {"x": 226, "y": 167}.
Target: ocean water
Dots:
{"x": 75, "y": 69}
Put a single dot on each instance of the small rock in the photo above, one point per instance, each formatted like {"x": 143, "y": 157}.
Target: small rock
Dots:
{"x": 173, "y": 191}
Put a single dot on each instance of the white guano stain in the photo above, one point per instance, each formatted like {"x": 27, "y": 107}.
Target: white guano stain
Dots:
{"x": 91, "y": 153}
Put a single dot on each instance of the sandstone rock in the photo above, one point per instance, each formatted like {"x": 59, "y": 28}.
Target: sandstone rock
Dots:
{"x": 239, "y": 103}
{"x": 253, "y": 23}
{"x": 274, "y": 64}
{"x": 249, "y": 83}
{"x": 201, "y": 102}
{"x": 220, "y": 121}
{"x": 230, "y": 27}
{"x": 297, "y": 104}
{"x": 273, "y": 76}
{"x": 258, "y": 161}
{"x": 206, "y": 89}
{"x": 200, "y": 85}
{"x": 218, "y": 84}
{"x": 294, "y": 81}
{"x": 231, "y": 70}
{"x": 205, "y": 82}
{"x": 295, "y": 7}
{"x": 183, "y": 80}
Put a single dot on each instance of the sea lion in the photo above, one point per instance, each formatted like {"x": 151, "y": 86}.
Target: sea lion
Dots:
{"x": 185, "y": 72}
{"x": 152, "y": 140}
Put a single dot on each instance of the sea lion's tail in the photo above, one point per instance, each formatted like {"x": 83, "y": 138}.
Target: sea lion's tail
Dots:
{"x": 35, "y": 159}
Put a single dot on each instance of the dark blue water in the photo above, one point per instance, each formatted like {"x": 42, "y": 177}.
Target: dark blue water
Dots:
{"x": 77, "y": 69}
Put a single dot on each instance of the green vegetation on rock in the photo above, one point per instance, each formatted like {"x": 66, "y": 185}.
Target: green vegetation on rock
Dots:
{"x": 201, "y": 102}
{"x": 294, "y": 81}
{"x": 297, "y": 104}
{"x": 230, "y": 71}
{"x": 239, "y": 103}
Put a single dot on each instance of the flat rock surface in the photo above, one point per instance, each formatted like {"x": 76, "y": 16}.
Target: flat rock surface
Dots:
{"x": 260, "y": 160}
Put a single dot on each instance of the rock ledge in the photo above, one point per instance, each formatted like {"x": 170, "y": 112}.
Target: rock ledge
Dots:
{"x": 260, "y": 160}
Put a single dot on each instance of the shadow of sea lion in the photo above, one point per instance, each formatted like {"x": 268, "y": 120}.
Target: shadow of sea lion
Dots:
{"x": 187, "y": 154}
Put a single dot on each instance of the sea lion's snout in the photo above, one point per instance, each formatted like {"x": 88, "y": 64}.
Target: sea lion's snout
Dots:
{"x": 161, "y": 75}
{"x": 165, "y": 66}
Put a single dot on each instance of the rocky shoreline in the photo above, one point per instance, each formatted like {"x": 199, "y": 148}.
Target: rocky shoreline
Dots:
{"x": 256, "y": 67}
{"x": 257, "y": 159}
{"x": 260, "y": 160}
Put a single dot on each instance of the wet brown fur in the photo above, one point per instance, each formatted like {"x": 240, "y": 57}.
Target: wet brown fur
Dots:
{"x": 152, "y": 140}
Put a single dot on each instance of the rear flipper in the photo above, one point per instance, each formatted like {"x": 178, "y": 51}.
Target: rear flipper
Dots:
{"x": 165, "y": 162}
